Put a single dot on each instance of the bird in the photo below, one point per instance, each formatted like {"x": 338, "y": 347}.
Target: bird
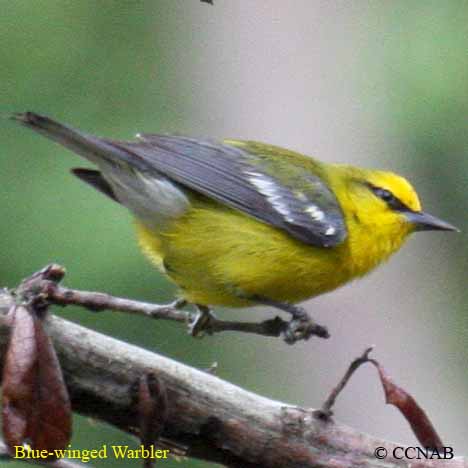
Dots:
{"x": 240, "y": 223}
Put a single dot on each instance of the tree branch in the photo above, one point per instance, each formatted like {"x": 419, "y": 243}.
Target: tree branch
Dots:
{"x": 210, "y": 418}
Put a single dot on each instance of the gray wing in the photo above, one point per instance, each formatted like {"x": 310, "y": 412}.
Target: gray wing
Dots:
{"x": 271, "y": 190}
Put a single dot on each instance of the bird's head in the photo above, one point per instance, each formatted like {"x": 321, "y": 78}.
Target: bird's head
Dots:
{"x": 386, "y": 202}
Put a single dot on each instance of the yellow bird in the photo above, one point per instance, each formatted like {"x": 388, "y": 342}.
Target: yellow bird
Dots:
{"x": 241, "y": 223}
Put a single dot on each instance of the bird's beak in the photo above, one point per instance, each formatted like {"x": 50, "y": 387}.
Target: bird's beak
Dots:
{"x": 426, "y": 222}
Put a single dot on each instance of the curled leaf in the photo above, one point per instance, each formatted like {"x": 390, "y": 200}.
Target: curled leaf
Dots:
{"x": 413, "y": 413}
{"x": 36, "y": 408}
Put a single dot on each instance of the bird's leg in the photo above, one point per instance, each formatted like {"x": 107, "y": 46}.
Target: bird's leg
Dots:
{"x": 301, "y": 327}
{"x": 202, "y": 322}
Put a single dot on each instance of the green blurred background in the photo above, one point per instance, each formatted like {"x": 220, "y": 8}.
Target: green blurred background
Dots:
{"x": 379, "y": 84}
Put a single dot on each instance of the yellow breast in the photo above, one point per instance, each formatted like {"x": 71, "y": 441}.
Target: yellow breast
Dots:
{"x": 221, "y": 256}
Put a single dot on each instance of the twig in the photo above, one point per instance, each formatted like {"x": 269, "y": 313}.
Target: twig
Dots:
{"x": 53, "y": 293}
{"x": 326, "y": 411}
{"x": 97, "y": 302}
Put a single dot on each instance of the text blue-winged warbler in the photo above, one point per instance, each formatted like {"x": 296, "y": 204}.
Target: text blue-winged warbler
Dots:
{"x": 240, "y": 223}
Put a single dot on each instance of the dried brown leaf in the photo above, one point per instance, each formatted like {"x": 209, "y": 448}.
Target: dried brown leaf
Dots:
{"x": 36, "y": 407}
{"x": 413, "y": 413}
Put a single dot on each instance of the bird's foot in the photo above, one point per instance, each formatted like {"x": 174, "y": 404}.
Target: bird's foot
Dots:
{"x": 202, "y": 322}
{"x": 302, "y": 326}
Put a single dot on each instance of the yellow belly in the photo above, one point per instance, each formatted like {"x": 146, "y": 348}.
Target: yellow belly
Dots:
{"x": 221, "y": 257}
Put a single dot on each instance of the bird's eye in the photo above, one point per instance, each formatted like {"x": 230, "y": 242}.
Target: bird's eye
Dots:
{"x": 388, "y": 197}
{"x": 384, "y": 194}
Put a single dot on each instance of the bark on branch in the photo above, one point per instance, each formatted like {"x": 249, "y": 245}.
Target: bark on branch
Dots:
{"x": 209, "y": 417}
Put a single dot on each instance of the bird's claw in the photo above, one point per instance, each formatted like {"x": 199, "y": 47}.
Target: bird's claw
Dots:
{"x": 202, "y": 323}
{"x": 302, "y": 327}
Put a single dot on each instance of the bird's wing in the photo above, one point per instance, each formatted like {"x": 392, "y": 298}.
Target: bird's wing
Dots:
{"x": 270, "y": 188}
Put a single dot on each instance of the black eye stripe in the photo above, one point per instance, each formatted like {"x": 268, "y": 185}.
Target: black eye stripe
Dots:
{"x": 388, "y": 197}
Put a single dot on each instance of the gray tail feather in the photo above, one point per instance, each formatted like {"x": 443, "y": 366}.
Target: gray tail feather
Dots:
{"x": 95, "y": 179}
{"x": 90, "y": 147}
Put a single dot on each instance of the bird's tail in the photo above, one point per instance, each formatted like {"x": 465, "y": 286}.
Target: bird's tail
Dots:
{"x": 123, "y": 175}
{"x": 93, "y": 148}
